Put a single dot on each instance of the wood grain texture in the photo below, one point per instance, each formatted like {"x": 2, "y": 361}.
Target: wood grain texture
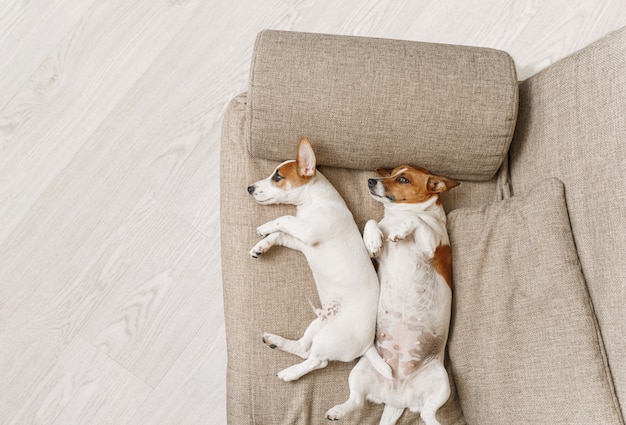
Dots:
{"x": 110, "y": 115}
{"x": 33, "y": 28}
{"x": 76, "y": 389}
{"x": 76, "y": 86}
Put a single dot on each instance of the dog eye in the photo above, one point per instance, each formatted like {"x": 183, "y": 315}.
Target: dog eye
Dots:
{"x": 277, "y": 177}
{"x": 402, "y": 180}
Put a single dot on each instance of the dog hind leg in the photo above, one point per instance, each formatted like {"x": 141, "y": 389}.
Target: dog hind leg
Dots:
{"x": 390, "y": 415}
{"x": 439, "y": 381}
{"x": 354, "y": 402}
{"x": 432, "y": 404}
{"x": 300, "y": 347}
{"x": 359, "y": 382}
{"x": 297, "y": 371}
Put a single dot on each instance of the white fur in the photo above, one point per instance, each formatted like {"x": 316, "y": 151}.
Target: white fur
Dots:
{"x": 413, "y": 314}
{"x": 324, "y": 230}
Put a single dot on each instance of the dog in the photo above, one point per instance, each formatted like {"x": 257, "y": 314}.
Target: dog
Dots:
{"x": 324, "y": 230}
{"x": 412, "y": 248}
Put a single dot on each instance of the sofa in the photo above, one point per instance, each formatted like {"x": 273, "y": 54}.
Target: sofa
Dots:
{"x": 538, "y": 328}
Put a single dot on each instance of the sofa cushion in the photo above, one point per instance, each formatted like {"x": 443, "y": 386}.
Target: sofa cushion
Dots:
{"x": 524, "y": 342}
{"x": 374, "y": 102}
{"x": 572, "y": 126}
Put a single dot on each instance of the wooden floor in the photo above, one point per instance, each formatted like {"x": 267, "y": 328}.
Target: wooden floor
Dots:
{"x": 110, "y": 113}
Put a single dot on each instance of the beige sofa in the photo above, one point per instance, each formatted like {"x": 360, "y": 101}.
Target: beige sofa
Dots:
{"x": 538, "y": 332}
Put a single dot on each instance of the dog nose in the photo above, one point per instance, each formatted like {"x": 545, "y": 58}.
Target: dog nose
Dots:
{"x": 372, "y": 182}
{"x": 250, "y": 189}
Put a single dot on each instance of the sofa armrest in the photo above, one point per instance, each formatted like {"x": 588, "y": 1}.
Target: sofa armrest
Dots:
{"x": 376, "y": 102}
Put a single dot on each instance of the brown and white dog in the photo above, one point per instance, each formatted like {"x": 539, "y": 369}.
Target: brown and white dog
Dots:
{"x": 324, "y": 230}
{"x": 413, "y": 251}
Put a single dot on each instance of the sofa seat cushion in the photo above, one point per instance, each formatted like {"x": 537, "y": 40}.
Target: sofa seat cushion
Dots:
{"x": 273, "y": 293}
{"x": 524, "y": 342}
{"x": 373, "y": 102}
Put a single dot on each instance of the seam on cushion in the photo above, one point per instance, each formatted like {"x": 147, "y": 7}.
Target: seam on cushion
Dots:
{"x": 596, "y": 326}
{"x": 514, "y": 108}
{"x": 605, "y": 360}
{"x": 250, "y": 108}
{"x": 503, "y": 180}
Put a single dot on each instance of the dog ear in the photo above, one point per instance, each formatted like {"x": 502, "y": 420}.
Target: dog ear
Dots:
{"x": 305, "y": 161}
{"x": 384, "y": 172}
{"x": 438, "y": 184}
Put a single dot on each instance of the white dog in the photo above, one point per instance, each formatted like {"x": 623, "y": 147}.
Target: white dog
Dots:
{"x": 413, "y": 250}
{"x": 324, "y": 230}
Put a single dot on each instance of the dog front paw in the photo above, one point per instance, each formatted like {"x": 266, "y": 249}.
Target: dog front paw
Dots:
{"x": 395, "y": 237}
{"x": 373, "y": 238}
{"x": 272, "y": 341}
{"x": 374, "y": 246}
{"x": 266, "y": 229}
{"x": 399, "y": 235}
{"x": 260, "y": 248}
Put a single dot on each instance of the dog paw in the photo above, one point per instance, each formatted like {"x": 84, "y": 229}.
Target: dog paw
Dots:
{"x": 287, "y": 375}
{"x": 399, "y": 235}
{"x": 271, "y": 340}
{"x": 255, "y": 252}
{"x": 373, "y": 239}
{"x": 259, "y": 249}
{"x": 374, "y": 247}
{"x": 265, "y": 229}
{"x": 335, "y": 413}
{"x": 394, "y": 237}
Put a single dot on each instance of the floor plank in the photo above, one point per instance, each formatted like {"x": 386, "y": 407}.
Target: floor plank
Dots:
{"x": 75, "y": 87}
{"x": 83, "y": 386}
{"x": 155, "y": 305}
{"x": 35, "y": 28}
{"x": 188, "y": 394}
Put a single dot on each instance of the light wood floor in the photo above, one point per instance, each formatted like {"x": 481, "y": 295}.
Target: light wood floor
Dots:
{"x": 110, "y": 113}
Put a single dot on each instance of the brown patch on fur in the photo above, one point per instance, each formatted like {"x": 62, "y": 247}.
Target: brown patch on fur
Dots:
{"x": 413, "y": 185}
{"x": 442, "y": 262}
{"x": 289, "y": 174}
{"x": 414, "y": 190}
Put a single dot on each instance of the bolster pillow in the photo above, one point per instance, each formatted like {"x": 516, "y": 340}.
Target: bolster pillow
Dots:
{"x": 367, "y": 103}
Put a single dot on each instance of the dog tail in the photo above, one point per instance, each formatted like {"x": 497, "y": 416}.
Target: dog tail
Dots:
{"x": 378, "y": 363}
{"x": 390, "y": 415}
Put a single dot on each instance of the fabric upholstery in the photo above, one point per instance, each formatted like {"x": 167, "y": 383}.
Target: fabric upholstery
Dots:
{"x": 524, "y": 344}
{"x": 572, "y": 126}
{"x": 273, "y": 293}
{"x": 374, "y": 102}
